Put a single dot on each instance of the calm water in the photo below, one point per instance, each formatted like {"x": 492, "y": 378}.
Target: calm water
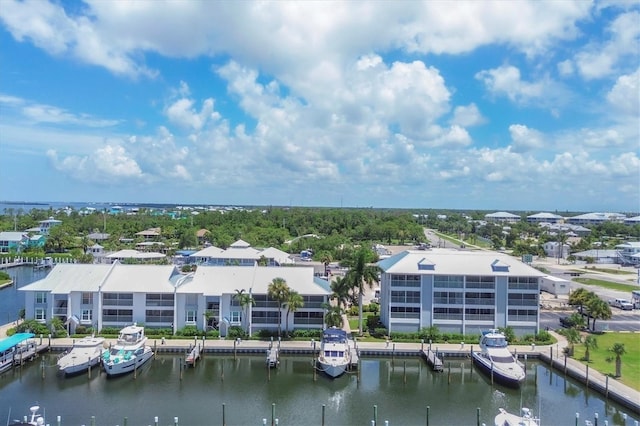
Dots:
{"x": 12, "y": 300}
{"x": 248, "y": 393}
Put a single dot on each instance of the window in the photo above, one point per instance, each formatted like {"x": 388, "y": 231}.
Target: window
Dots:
{"x": 474, "y": 298}
{"x": 447, "y": 313}
{"x": 448, "y": 281}
{"x": 262, "y": 317}
{"x": 405, "y": 280}
{"x": 86, "y": 315}
{"x": 405, "y": 296}
{"x": 159, "y": 315}
{"x": 405, "y": 312}
{"x": 41, "y": 297}
{"x": 313, "y": 301}
{"x": 191, "y": 316}
{"x": 479, "y": 314}
{"x": 520, "y": 299}
{"x": 118, "y": 315}
{"x": 528, "y": 315}
{"x": 41, "y": 314}
{"x": 309, "y": 318}
{"x": 160, "y": 299}
{"x": 447, "y": 298}
{"x": 87, "y": 299}
{"x": 261, "y": 301}
{"x": 487, "y": 282}
{"x": 523, "y": 283}
{"x": 235, "y": 318}
{"x": 117, "y": 299}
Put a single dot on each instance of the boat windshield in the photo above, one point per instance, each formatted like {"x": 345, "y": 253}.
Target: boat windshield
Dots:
{"x": 495, "y": 342}
{"x": 502, "y": 359}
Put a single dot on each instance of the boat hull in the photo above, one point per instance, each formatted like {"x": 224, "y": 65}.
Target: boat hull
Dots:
{"x": 332, "y": 370}
{"x": 500, "y": 375}
{"x": 80, "y": 367}
{"x": 113, "y": 368}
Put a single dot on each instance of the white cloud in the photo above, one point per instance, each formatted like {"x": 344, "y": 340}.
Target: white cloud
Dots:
{"x": 525, "y": 138}
{"x": 506, "y": 81}
{"x": 624, "y": 96}
{"x": 467, "y": 116}
{"x": 107, "y": 164}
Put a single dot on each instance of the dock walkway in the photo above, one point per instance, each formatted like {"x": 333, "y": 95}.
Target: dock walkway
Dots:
{"x": 432, "y": 359}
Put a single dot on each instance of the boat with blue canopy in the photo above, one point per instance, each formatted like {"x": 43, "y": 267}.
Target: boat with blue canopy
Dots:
{"x": 11, "y": 348}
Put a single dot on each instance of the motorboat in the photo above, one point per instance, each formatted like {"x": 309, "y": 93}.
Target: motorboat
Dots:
{"x": 495, "y": 359}
{"x": 129, "y": 353}
{"x": 335, "y": 352}
{"x": 16, "y": 349}
{"x": 504, "y": 418}
{"x": 85, "y": 353}
{"x": 34, "y": 419}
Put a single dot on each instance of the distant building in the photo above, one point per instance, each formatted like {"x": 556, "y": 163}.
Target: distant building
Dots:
{"x": 545, "y": 218}
{"x": 554, "y": 285}
{"x": 502, "y": 217}
{"x": 151, "y": 234}
{"x": 629, "y": 253}
{"x": 46, "y": 225}
{"x": 632, "y": 220}
{"x": 240, "y": 253}
{"x": 556, "y": 250}
{"x": 598, "y": 256}
{"x": 12, "y": 241}
{"x": 596, "y": 218}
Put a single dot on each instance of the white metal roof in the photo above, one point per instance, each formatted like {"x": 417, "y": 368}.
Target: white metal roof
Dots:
{"x": 456, "y": 262}
{"x": 219, "y": 280}
{"x": 67, "y": 277}
{"x": 12, "y": 236}
{"x": 208, "y": 252}
{"x": 141, "y": 279}
{"x": 135, "y": 254}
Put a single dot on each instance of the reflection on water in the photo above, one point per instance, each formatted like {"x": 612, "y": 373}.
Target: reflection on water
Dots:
{"x": 401, "y": 390}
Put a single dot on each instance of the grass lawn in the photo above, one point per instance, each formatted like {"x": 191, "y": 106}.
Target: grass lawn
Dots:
{"x": 610, "y": 271}
{"x": 607, "y": 284}
{"x": 604, "y": 361}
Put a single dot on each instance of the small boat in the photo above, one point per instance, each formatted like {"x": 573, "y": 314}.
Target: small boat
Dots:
{"x": 505, "y": 418}
{"x": 35, "y": 419}
{"x": 85, "y": 353}
{"x": 129, "y": 352}
{"x": 335, "y": 353}
{"x": 495, "y": 359}
{"x": 16, "y": 349}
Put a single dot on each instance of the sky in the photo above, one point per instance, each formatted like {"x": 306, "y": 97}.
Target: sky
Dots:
{"x": 506, "y": 105}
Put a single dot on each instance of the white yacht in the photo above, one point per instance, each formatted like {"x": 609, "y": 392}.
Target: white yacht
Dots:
{"x": 85, "y": 353}
{"x": 335, "y": 353}
{"x": 495, "y": 359}
{"x": 504, "y": 418}
{"x": 129, "y": 353}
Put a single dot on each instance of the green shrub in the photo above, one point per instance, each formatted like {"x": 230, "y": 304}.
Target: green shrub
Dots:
{"x": 4, "y": 276}
{"x": 543, "y": 338}
{"x": 379, "y": 332}
{"x": 353, "y": 311}
{"x": 160, "y": 332}
{"x": 373, "y": 321}
{"x": 110, "y": 331}
{"x": 236, "y": 332}
{"x": 213, "y": 334}
{"x": 32, "y": 326}
{"x": 188, "y": 331}
{"x": 304, "y": 333}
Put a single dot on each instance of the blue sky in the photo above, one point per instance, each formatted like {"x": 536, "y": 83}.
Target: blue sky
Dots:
{"x": 508, "y": 105}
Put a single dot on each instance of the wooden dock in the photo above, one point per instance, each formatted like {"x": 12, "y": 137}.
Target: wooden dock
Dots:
{"x": 193, "y": 356}
{"x": 355, "y": 356}
{"x": 273, "y": 357}
{"x": 433, "y": 360}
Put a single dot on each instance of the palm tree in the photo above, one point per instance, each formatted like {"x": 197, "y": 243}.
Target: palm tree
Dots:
{"x": 326, "y": 259}
{"x": 333, "y": 315}
{"x": 245, "y": 300}
{"x": 580, "y": 298}
{"x": 341, "y": 289}
{"x": 294, "y": 302}
{"x": 598, "y": 309}
{"x": 590, "y": 342}
{"x": 619, "y": 350}
{"x": 279, "y": 291}
{"x": 361, "y": 273}
{"x": 573, "y": 336}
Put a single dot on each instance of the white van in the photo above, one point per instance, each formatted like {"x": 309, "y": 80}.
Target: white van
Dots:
{"x": 623, "y": 304}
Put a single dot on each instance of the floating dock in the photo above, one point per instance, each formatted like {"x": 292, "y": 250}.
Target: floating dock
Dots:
{"x": 432, "y": 359}
{"x": 194, "y": 355}
{"x": 273, "y": 357}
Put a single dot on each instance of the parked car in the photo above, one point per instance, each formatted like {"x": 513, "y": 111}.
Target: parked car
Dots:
{"x": 567, "y": 322}
{"x": 623, "y": 304}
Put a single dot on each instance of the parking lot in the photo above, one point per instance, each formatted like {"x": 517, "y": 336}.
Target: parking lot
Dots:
{"x": 620, "y": 320}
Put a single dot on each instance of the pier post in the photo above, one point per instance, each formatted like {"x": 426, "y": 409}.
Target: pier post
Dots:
{"x": 449, "y": 373}
{"x": 180, "y": 361}
{"x": 492, "y": 374}
{"x": 595, "y": 419}
{"x": 577, "y": 418}
{"x": 428, "y": 409}
{"x": 551, "y": 355}
{"x": 587, "y": 377}
{"x": 42, "y": 367}
{"x": 393, "y": 353}
{"x": 40, "y": 338}
{"x": 234, "y": 349}
{"x": 135, "y": 369}
{"x": 375, "y": 415}
{"x": 175, "y": 421}
{"x": 155, "y": 421}
{"x": 203, "y": 340}
{"x": 421, "y": 345}
{"x": 222, "y": 376}
{"x": 89, "y": 369}
{"x": 224, "y": 415}
{"x": 58, "y": 420}
{"x": 324, "y": 407}
{"x": 92, "y": 422}
{"x": 155, "y": 348}
{"x": 50, "y": 343}
{"x": 125, "y": 421}
{"x": 405, "y": 372}
{"x": 478, "y": 416}
{"x": 273, "y": 414}
{"x": 606, "y": 387}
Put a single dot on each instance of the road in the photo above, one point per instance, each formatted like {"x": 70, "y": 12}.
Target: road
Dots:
{"x": 620, "y": 320}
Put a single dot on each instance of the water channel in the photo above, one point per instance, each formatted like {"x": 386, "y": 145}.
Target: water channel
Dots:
{"x": 401, "y": 389}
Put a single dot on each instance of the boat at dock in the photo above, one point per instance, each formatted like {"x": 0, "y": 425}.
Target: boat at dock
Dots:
{"x": 504, "y": 418}
{"x": 16, "y": 349}
{"x": 495, "y": 359}
{"x": 129, "y": 352}
{"x": 335, "y": 352}
{"x": 34, "y": 419}
{"x": 85, "y": 353}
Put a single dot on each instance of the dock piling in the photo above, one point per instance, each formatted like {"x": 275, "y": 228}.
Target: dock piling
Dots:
{"x": 224, "y": 415}
{"x": 428, "y": 409}
{"x": 324, "y": 407}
